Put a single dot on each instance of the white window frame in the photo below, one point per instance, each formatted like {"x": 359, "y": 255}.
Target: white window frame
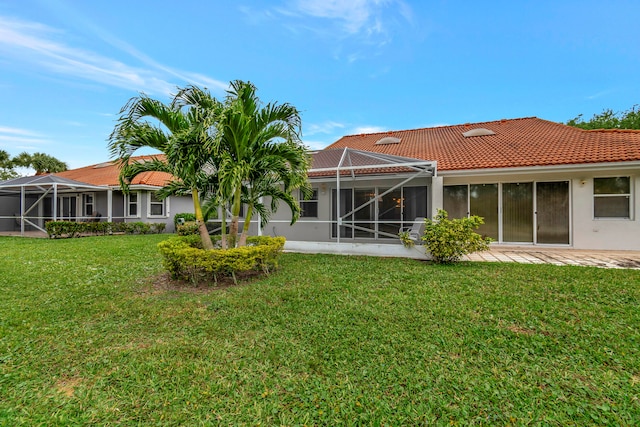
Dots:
{"x": 164, "y": 203}
{"x": 85, "y": 203}
{"x": 629, "y": 197}
{"x": 127, "y": 205}
{"x": 302, "y": 200}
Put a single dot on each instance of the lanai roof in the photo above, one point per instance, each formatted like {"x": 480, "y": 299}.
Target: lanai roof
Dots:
{"x": 39, "y": 183}
{"x": 502, "y": 144}
{"x": 348, "y": 161}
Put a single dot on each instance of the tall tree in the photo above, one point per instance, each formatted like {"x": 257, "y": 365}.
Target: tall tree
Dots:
{"x": 180, "y": 130}
{"x": 42, "y": 163}
{"x": 609, "y": 119}
{"x": 7, "y": 166}
{"x": 259, "y": 154}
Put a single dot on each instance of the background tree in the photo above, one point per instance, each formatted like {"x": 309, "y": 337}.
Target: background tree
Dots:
{"x": 180, "y": 131}
{"x": 609, "y": 119}
{"x": 7, "y": 167}
{"x": 42, "y": 163}
{"x": 259, "y": 154}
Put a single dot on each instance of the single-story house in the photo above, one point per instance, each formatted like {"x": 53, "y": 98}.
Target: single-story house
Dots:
{"x": 534, "y": 182}
{"x": 90, "y": 193}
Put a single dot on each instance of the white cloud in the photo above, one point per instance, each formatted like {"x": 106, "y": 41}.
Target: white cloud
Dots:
{"x": 37, "y": 44}
{"x": 317, "y": 145}
{"x": 599, "y": 94}
{"x": 367, "y": 129}
{"x": 353, "y": 14}
{"x": 370, "y": 19}
{"x": 324, "y": 128}
{"x": 15, "y": 140}
{"x": 17, "y": 131}
{"x": 11, "y": 137}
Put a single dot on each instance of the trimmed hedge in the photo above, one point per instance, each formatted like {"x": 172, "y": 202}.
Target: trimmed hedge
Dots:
{"x": 68, "y": 229}
{"x": 185, "y": 259}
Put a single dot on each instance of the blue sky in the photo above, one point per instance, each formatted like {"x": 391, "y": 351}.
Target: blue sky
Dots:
{"x": 68, "y": 66}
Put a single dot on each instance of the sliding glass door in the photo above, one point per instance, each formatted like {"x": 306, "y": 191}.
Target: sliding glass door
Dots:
{"x": 483, "y": 201}
{"x": 515, "y": 212}
{"x": 552, "y": 212}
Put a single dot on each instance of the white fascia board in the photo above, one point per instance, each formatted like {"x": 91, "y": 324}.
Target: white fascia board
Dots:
{"x": 595, "y": 167}
{"x": 138, "y": 187}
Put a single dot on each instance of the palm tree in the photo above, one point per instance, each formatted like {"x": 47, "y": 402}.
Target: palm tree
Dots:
{"x": 181, "y": 133}
{"x": 259, "y": 154}
{"x": 41, "y": 162}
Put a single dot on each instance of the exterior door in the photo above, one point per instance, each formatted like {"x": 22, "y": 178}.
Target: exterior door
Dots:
{"x": 517, "y": 212}
{"x": 552, "y": 212}
{"x": 67, "y": 208}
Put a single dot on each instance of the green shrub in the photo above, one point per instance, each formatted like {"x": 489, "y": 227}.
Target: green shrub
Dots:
{"x": 449, "y": 239}
{"x": 186, "y": 216}
{"x": 189, "y": 227}
{"x": 68, "y": 229}
{"x": 184, "y": 258}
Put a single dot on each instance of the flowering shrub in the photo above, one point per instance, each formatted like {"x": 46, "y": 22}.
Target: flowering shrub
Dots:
{"x": 449, "y": 239}
{"x": 184, "y": 258}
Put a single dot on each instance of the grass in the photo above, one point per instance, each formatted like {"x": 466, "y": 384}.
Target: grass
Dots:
{"x": 86, "y": 338}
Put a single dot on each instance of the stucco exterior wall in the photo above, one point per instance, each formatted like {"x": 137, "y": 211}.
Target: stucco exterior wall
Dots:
{"x": 586, "y": 232}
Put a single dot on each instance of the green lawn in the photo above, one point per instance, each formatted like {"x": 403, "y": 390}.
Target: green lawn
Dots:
{"x": 86, "y": 338}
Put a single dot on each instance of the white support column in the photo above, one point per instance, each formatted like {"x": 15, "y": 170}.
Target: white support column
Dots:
{"x": 437, "y": 195}
{"x": 55, "y": 202}
{"x": 22, "y": 211}
{"x": 110, "y": 205}
{"x": 338, "y": 217}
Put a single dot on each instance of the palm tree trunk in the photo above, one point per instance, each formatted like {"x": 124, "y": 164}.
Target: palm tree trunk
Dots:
{"x": 202, "y": 226}
{"x": 223, "y": 227}
{"x": 245, "y": 228}
{"x": 235, "y": 218}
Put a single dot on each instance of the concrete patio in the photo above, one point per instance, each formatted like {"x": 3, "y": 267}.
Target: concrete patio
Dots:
{"x": 559, "y": 256}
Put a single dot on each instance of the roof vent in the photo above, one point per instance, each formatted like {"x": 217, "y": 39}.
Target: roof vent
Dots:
{"x": 388, "y": 140}
{"x": 478, "y": 132}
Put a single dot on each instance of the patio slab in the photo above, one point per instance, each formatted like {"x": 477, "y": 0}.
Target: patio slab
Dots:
{"x": 559, "y": 256}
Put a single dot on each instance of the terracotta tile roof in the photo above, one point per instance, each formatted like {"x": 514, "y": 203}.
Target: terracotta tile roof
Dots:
{"x": 516, "y": 143}
{"x": 107, "y": 174}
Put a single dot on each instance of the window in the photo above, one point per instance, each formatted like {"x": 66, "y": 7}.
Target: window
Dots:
{"x": 132, "y": 205}
{"x": 309, "y": 208}
{"x": 612, "y": 197}
{"x": 88, "y": 204}
{"x": 456, "y": 200}
{"x": 157, "y": 207}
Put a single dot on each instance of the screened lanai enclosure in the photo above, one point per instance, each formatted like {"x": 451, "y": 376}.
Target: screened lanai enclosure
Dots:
{"x": 359, "y": 197}
{"x": 27, "y": 203}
